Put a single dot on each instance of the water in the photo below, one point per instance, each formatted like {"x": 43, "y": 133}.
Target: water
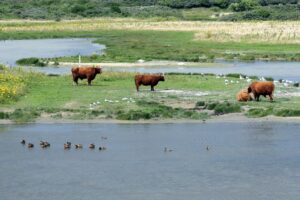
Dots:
{"x": 277, "y": 70}
{"x": 244, "y": 161}
{"x": 12, "y": 50}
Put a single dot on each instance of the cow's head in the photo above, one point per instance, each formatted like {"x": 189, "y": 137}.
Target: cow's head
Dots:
{"x": 162, "y": 77}
{"x": 249, "y": 89}
{"x": 98, "y": 70}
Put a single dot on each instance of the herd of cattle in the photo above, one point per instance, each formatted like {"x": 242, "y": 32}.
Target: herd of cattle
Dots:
{"x": 253, "y": 92}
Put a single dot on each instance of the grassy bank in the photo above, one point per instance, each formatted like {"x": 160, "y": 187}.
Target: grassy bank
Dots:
{"x": 128, "y": 40}
{"x": 113, "y": 96}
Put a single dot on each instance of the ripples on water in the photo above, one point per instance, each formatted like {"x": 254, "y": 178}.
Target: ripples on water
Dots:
{"x": 244, "y": 161}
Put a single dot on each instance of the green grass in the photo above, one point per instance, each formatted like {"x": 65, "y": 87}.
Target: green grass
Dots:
{"x": 57, "y": 98}
{"x": 129, "y": 46}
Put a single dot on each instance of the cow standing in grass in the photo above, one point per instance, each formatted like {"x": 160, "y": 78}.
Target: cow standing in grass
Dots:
{"x": 264, "y": 88}
{"x": 151, "y": 80}
{"x": 88, "y": 73}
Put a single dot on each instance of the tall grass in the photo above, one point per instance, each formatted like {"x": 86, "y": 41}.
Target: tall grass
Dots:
{"x": 252, "y": 32}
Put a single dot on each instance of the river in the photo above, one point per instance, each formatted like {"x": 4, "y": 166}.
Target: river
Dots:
{"x": 257, "y": 160}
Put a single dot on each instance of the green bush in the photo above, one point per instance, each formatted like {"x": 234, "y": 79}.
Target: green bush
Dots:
{"x": 31, "y": 62}
{"x": 235, "y": 75}
{"x": 200, "y": 103}
{"x": 259, "y": 112}
{"x": 244, "y": 5}
{"x": 22, "y": 116}
{"x": 4, "y": 115}
{"x": 226, "y": 107}
{"x": 287, "y": 113}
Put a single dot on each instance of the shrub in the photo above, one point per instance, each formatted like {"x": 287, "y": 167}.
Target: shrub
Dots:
{"x": 243, "y": 5}
{"x": 287, "y": 113}
{"x": 21, "y": 115}
{"x": 31, "y": 61}
{"x": 226, "y": 107}
{"x": 200, "y": 103}
{"x": 4, "y": 115}
{"x": 259, "y": 112}
{"x": 235, "y": 75}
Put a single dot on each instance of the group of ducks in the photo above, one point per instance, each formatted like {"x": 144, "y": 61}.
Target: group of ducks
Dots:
{"x": 67, "y": 145}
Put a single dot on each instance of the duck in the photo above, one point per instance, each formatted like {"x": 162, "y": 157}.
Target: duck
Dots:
{"x": 103, "y": 137}
{"x": 45, "y": 144}
{"x": 102, "y": 148}
{"x": 23, "y": 141}
{"x": 92, "y": 146}
{"x": 167, "y": 150}
{"x": 207, "y": 148}
{"x": 30, "y": 145}
{"x": 67, "y": 146}
{"x": 78, "y": 146}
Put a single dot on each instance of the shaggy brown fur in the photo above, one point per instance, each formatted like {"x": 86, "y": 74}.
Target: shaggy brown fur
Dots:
{"x": 243, "y": 95}
{"x": 88, "y": 73}
{"x": 151, "y": 80}
{"x": 264, "y": 88}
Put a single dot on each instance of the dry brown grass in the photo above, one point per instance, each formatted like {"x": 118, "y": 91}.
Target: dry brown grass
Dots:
{"x": 267, "y": 32}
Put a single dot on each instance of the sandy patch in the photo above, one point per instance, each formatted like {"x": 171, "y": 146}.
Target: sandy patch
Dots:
{"x": 71, "y": 104}
{"x": 184, "y": 93}
{"x": 156, "y": 63}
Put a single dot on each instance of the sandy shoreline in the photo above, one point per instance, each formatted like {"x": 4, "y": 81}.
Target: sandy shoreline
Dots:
{"x": 228, "y": 118}
{"x": 142, "y": 64}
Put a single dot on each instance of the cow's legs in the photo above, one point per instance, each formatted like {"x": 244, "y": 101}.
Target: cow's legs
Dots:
{"x": 257, "y": 97}
{"x": 89, "y": 79}
{"x": 75, "y": 79}
{"x": 152, "y": 87}
{"x": 271, "y": 97}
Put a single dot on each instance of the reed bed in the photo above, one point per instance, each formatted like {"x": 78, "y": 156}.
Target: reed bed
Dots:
{"x": 277, "y": 32}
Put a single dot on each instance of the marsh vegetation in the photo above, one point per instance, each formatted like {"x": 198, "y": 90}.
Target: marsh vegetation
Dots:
{"x": 128, "y": 40}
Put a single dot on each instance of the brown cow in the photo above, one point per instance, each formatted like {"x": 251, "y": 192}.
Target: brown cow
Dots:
{"x": 243, "y": 95}
{"x": 262, "y": 88}
{"x": 88, "y": 73}
{"x": 151, "y": 80}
